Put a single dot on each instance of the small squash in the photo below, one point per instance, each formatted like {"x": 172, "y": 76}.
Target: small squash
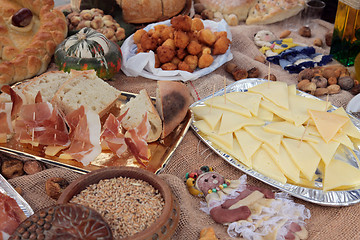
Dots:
{"x": 89, "y": 49}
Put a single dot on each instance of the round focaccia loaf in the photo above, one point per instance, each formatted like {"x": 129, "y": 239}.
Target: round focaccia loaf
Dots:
{"x": 27, "y": 51}
{"x": 137, "y": 107}
{"x": 172, "y": 102}
{"x": 146, "y": 11}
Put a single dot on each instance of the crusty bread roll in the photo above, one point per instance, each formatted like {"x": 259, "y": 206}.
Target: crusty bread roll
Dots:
{"x": 238, "y": 7}
{"x": 146, "y": 11}
{"x": 172, "y": 102}
{"x": 138, "y": 106}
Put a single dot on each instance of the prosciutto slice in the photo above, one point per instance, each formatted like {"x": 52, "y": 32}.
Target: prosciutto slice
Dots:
{"x": 15, "y": 99}
{"x": 5, "y": 121}
{"x": 112, "y": 137}
{"x": 85, "y": 131}
{"x": 11, "y": 216}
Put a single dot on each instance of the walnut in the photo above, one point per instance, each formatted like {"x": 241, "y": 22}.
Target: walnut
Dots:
{"x": 302, "y": 84}
{"x": 55, "y": 186}
{"x": 199, "y": 8}
{"x": 321, "y": 92}
{"x": 33, "y": 166}
{"x": 239, "y": 74}
{"x": 12, "y": 168}
{"x": 309, "y": 88}
{"x": 307, "y": 73}
{"x": 346, "y": 82}
{"x": 305, "y": 31}
{"x": 320, "y": 82}
{"x": 318, "y": 42}
{"x": 272, "y": 77}
{"x": 253, "y": 73}
{"x": 333, "y": 89}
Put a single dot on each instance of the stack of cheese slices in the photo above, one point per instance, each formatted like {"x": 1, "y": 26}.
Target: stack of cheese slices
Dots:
{"x": 282, "y": 135}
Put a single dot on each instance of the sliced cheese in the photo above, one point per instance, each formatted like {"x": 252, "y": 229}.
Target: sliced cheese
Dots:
{"x": 303, "y": 155}
{"x": 282, "y": 113}
{"x": 263, "y": 163}
{"x": 225, "y": 139}
{"x": 231, "y": 122}
{"x": 290, "y": 130}
{"x": 349, "y": 128}
{"x": 340, "y": 175}
{"x": 248, "y": 144}
{"x": 222, "y": 103}
{"x": 276, "y": 92}
{"x": 344, "y": 139}
{"x": 265, "y": 114}
{"x": 327, "y": 123}
{"x": 271, "y": 139}
{"x": 211, "y": 115}
{"x": 292, "y": 89}
{"x": 325, "y": 150}
{"x": 250, "y": 101}
{"x": 284, "y": 162}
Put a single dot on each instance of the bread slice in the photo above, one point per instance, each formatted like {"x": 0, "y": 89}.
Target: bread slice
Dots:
{"x": 47, "y": 83}
{"x": 85, "y": 88}
{"x": 138, "y": 106}
{"x": 172, "y": 102}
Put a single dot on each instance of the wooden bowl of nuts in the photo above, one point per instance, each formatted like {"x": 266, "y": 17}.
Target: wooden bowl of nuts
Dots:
{"x": 136, "y": 203}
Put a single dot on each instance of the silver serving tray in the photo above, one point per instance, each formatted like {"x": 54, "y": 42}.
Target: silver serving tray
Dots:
{"x": 314, "y": 195}
{"x": 7, "y": 189}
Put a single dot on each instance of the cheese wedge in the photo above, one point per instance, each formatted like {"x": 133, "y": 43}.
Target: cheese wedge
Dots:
{"x": 265, "y": 114}
{"x": 211, "y": 115}
{"x": 248, "y": 144}
{"x": 247, "y": 100}
{"x": 231, "y": 122}
{"x": 289, "y": 130}
{"x": 284, "y": 162}
{"x": 344, "y": 139}
{"x": 225, "y": 139}
{"x": 325, "y": 150}
{"x": 340, "y": 175}
{"x": 327, "y": 123}
{"x": 222, "y": 103}
{"x": 263, "y": 163}
{"x": 349, "y": 128}
{"x": 276, "y": 92}
{"x": 303, "y": 155}
{"x": 271, "y": 139}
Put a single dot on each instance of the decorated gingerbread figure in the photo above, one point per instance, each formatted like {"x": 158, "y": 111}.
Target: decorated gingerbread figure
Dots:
{"x": 248, "y": 211}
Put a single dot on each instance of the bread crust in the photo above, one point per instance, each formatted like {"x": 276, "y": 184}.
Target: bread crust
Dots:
{"x": 29, "y": 54}
{"x": 172, "y": 102}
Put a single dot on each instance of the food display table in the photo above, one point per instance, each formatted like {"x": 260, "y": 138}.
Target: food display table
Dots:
{"x": 325, "y": 222}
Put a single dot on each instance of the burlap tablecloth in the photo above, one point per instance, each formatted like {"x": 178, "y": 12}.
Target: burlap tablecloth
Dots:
{"x": 325, "y": 222}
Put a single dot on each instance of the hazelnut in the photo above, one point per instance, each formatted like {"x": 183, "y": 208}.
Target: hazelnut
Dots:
{"x": 318, "y": 42}
{"x": 253, "y": 73}
{"x": 305, "y": 31}
{"x": 333, "y": 89}
{"x": 328, "y": 38}
{"x": 285, "y": 34}
{"x": 320, "y": 82}
{"x": 270, "y": 77}
{"x": 307, "y": 73}
{"x": 321, "y": 92}
{"x": 346, "y": 82}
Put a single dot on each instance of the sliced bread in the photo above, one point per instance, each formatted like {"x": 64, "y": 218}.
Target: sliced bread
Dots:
{"x": 138, "y": 106}
{"x": 85, "y": 88}
{"x": 172, "y": 102}
{"x": 47, "y": 83}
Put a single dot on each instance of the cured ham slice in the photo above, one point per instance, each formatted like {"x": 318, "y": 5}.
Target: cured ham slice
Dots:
{"x": 85, "y": 131}
{"x": 135, "y": 138}
{"x": 5, "y": 121}
{"x": 11, "y": 216}
{"x": 112, "y": 137}
{"x": 15, "y": 99}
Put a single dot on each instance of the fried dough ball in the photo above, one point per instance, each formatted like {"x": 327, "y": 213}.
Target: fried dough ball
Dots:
{"x": 167, "y": 32}
{"x": 193, "y": 36}
{"x": 170, "y": 43}
{"x": 192, "y": 61}
{"x": 184, "y": 67}
{"x": 168, "y": 66}
{"x": 157, "y": 61}
{"x": 181, "y": 39}
{"x": 148, "y": 43}
{"x": 221, "y": 45}
{"x": 181, "y": 53}
{"x": 220, "y": 34}
{"x": 139, "y": 48}
{"x": 205, "y": 50}
{"x": 194, "y": 48}
{"x": 137, "y": 35}
{"x": 181, "y": 22}
{"x": 207, "y": 36}
{"x": 205, "y": 60}
{"x": 175, "y": 61}
{"x": 165, "y": 54}
{"x": 196, "y": 24}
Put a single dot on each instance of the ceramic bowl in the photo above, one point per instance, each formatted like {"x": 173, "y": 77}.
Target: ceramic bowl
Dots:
{"x": 165, "y": 225}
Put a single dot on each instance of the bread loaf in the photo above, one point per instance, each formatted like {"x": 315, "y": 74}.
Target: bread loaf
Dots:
{"x": 146, "y": 11}
{"x": 85, "y": 88}
{"x": 172, "y": 102}
{"x": 137, "y": 107}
